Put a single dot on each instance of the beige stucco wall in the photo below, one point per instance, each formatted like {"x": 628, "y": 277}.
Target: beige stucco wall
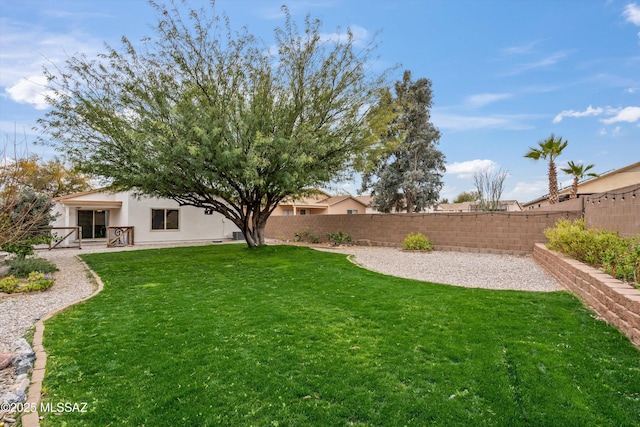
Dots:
{"x": 194, "y": 225}
{"x": 618, "y": 179}
{"x": 345, "y": 205}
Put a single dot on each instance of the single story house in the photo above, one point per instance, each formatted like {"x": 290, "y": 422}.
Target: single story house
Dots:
{"x": 320, "y": 203}
{"x": 608, "y": 181}
{"x": 154, "y": 220}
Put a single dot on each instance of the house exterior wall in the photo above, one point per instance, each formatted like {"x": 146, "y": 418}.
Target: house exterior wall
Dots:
{"x": 618, "y": 179}
{"x": 193, "y": 224}
{"x": 345, "y": 205}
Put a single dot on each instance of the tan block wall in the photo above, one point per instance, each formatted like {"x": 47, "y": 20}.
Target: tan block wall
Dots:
{"x": 617, "y": 302}
{"x": 616, "y": 210}
{"x": 511, "y": 233}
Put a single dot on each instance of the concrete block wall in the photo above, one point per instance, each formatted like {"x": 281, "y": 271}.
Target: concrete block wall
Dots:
{"x": 616, "y": 302}
{"x": 617, "y": 210}
{"x": 499, "y": 232}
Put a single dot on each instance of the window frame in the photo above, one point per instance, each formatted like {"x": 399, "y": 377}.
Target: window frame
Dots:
{"x": 165, "y": 219}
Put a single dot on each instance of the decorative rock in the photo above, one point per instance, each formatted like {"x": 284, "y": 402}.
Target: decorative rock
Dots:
{"x": 6, "y": 359}
{"x": 14, "y": 397}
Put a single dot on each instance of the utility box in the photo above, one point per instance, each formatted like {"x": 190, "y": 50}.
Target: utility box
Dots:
{"x": 237, "y": 235}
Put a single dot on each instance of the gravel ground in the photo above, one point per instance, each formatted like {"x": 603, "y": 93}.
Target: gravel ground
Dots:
{"x": 473, "y": 270}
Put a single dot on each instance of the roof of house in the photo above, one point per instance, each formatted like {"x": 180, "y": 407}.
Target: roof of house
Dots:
{"x": 592, "y": 181}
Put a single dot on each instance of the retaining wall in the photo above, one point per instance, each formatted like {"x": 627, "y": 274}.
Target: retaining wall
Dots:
{"x": 498, "y": 232}
{"x": 616, "y": 302}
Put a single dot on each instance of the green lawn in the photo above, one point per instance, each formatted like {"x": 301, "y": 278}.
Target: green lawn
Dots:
{"x": 223, "y": 335}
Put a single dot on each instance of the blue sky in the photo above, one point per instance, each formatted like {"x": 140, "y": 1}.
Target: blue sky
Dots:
{"x": 506, "y": 73}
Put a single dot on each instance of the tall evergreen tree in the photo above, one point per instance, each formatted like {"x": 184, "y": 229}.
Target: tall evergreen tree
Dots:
{"x": 408, "y": 174}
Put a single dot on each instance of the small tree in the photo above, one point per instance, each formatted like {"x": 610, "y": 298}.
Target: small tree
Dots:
{"x": 25, "y": 215}
{"x": 52, "y": 178}
{"x": 467, "y": 196}
{"x": 578, "y": 171}
{"x": 549, "y": 149}
{"x": 489, "y": 186}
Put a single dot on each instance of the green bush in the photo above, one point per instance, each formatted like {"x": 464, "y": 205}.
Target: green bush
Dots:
{"x": 607, "y": 250}
{"x": 36, "y": 281}
{"x": 417, "y": 242}
{"x": 305, "y": 235}
{"x": 9, "y": 284}
{"x": 339, "y": 238}
{"x": 22, "y": 267}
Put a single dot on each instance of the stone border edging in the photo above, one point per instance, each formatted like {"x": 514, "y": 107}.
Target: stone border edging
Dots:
{"x": 616, "y": 302}
{"x": 32, "y": 419}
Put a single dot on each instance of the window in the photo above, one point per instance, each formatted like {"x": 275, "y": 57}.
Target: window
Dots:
{"x": 303, "y": 212}
{"x": 164, "y": 219}
{"x": 352, "y": 211}
{"x": 287, "y": 212}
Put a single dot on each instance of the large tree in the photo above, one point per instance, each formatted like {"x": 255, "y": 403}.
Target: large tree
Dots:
{"x": 549, "y": 149}
{"x": 407, "y": 175}
{"x": 213, "y": 118}
{"x": 578, "y": 171}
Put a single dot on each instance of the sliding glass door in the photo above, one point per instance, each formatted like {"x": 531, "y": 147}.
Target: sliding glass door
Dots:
{"x": 93, "y": 223}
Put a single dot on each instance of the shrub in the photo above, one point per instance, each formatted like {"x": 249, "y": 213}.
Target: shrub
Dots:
{"x": 417, "y": 242}
{"x": 9, "y": 284}
{"x": 305, "y": 235}
{"x": 21, "y": 267}
{"x": 36, "y": 281}
{"x": 339, "y": 238}
{"x": 607, "y": 250}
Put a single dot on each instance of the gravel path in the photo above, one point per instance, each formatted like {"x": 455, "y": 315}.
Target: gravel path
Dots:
{"x": 473, "y": 270}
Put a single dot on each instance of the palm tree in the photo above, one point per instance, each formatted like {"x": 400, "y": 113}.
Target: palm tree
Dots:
{"x": 579, "y": 171}
{"x": 549, "y": 149}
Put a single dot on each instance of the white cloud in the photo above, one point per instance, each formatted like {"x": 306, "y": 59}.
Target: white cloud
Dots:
{"x": 482, "y": 99}
{"x": 466, "y": 169}
{"x": 527, "y": 191}
{"x": 518, "y": 50}
{"x": 30, "y": 91}
{"x": 590, "y": 111}
{"x": 360, "y": 35}
{"x": 632, "y": 13}
{"x": 465, "y": 123}
{"x": 627, "y": 114}
{"x": 542, "y": 63}
{"x": 25, "y": 49}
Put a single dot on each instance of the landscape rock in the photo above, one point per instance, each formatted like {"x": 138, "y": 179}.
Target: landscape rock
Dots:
{"x": 6, "y": 359}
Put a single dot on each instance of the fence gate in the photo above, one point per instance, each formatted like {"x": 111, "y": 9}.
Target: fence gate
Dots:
{"x": 119, "y": 236}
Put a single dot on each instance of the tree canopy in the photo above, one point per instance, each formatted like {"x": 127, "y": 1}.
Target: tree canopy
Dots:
{"x": 51, "y": 178}
{"x": 212, "y": 118}
{"x": 406, "y": 173}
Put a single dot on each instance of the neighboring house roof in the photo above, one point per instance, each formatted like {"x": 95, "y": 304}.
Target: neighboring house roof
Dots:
{"x": 365, "y": 200}
{"x": 319, "y": 201}
{"x": 607, "y": 181}
{"x": 510, "y": 205}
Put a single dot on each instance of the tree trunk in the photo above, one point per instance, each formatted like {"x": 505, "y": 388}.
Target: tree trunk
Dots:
{"x": 574, "y": 188}
{"x": 553, "y": 183}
